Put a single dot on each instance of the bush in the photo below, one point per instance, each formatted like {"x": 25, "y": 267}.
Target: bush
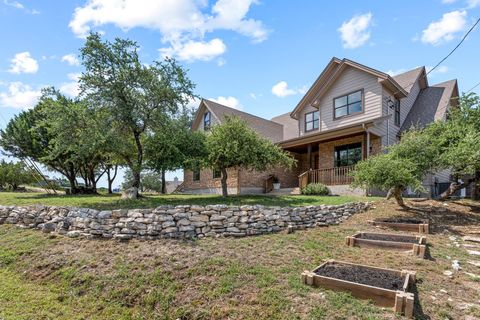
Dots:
{"x": 317, "y": 189}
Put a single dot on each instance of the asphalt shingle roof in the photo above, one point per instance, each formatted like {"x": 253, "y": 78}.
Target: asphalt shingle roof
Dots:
{"x": 268, "y": 129}
{"x": 407, "y": 79}
{"x": 431, "y": 105}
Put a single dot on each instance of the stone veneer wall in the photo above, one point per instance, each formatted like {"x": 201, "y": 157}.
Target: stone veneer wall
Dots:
{"x": 179, "y": 222}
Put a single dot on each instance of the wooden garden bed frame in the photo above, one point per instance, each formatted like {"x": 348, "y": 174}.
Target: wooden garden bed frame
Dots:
{"x": 418, "y": 249}
{"x": 400, "y": 301}
{"x": 422, "y": 227}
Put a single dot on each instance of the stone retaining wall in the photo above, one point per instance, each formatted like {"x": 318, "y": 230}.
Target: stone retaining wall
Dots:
{"x": 179, "y": 222}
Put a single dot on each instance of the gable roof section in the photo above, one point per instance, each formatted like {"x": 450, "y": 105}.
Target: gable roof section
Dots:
{"x": 431, "y": 105}
{"x": 407, "y": 79}
{"x": 266, "y": 128}
{"x": 290, "y": 125}
{"x": 332, "y": 71}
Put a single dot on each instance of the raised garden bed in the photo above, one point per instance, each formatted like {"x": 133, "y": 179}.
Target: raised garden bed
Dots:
{"x": 403, "y": 224}
{"x": 415, "y": 244}
{"x": 385, "y": 287}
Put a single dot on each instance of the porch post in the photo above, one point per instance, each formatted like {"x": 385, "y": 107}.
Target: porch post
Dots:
{"x": 368, "y": 143}
{"x": 309, "y": 156}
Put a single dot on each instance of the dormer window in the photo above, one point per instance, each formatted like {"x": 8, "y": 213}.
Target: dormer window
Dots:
{"x": 348, "y": 104}
{"x": 207, "y": 120}
{"x": 312, "y": 121}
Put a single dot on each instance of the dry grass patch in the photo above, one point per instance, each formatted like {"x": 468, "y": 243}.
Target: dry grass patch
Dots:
{"x": 247, "y": 278}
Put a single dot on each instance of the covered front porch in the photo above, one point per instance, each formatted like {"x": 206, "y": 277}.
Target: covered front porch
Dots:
{"x": 329, "y": 158}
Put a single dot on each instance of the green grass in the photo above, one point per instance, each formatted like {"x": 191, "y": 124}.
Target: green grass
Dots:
{"x": 105, "y": 201}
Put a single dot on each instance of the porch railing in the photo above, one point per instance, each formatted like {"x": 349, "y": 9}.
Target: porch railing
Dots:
{"x": 329, "y": 177}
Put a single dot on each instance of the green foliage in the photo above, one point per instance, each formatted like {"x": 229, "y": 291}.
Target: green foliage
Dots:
{"x": 386, "y": 171}
{"x": 233, "y": 144}
{"x": 172, "y": 145}
{"x": 135, "y": 96}
{"x": 12, "y": 175}
{"x": 150, "y": 181}
{"x": 317, "y": 189}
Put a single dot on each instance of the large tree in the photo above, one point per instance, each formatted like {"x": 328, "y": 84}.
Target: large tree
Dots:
{"x": 135, "y": 95}
{"x": 452, "y": 145}
{"x": 233, "y": 144}
{"x": 173, "y": 146}
{"x": 26, "y": 136}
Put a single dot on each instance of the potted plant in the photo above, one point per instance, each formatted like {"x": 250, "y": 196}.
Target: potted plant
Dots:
{"x": 276, "y": 183}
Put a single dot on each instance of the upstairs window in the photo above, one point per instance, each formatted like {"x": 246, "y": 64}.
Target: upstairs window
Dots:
{"x": 396, "y": 112}
{"x": 312, "y": 121}
{"x": 348, "y": 104}
{"x": 217, "y": 173}
{"x": 348, "y": 155}
{"x": 207, "y": 120}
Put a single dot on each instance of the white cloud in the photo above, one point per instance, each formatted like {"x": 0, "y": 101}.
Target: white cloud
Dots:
{"x": 444, "y": 30}
{"x": 71, "y": 88}
{"x": 19, "y": 96}
{"x": 22, "y": 62}
{"x": 395, "y": 72}
{"x": 71, "y": 59}
{"x": 221, "y": 62}
{"x": 473, "y": 3}
{"x": 355, "y": 32}
{"x": 195, "y": 50}
{"x": 20, "y": 6}
{"x": 231, "y": 102}
{"x": 282, "y": 90}
{"x": 448, "y": 1}
{"x": 182, "y": 23}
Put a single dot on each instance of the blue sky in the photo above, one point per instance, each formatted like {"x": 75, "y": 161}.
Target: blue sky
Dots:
{"x": 258, "y": 56}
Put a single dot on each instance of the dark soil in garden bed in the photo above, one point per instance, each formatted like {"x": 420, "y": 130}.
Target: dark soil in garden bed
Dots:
{"x": 387, "y": 237}
{"x": 403, "y": 220}
{"x": 359, "y": 274}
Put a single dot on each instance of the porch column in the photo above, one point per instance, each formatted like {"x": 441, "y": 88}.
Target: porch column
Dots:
{"x": 309, "y": 152}
{"x": 368, "y": 143}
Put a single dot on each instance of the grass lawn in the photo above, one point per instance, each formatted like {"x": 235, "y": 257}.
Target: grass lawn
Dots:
{"x": 105, "y": 201}
{"x": 54, "y": 277}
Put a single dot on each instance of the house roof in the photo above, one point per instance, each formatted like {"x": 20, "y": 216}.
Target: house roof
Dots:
{"x": 290, "y": 125}
{"x": 407, "y": 79}
{"x": 332, "y": 71}
{"x": 431, "y": 105}
{"x": 268, "y": 129}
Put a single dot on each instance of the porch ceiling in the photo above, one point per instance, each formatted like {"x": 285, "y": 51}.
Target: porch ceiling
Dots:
{"x": 301, "y": 144}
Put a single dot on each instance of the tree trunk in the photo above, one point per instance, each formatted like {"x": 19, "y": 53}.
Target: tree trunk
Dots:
{"x": 110, "y": 179}
{"x": 475, "y": 187}
{"x": 224, "y": 182}
{"x": 137, "y": 167}
{"x": 164, "y": 184}
{"x": 453, "y": 188}
{"x": 396, "y": 192}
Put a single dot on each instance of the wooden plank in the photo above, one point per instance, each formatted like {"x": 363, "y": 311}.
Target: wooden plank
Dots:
{"x": 381, "y": 297}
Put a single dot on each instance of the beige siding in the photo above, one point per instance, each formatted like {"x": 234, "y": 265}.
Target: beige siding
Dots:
{"x": 198, "y": 125}
{"x": 388, "y": 125}
{"x": 350, "y": 80}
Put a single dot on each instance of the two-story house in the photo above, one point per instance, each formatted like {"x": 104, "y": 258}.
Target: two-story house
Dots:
{"x": 349, "y": 113}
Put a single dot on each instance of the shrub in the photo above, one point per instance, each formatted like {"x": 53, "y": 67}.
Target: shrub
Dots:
{"x": 317, "y": 189}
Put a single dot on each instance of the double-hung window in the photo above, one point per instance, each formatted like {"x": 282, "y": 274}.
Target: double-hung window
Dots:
{"x": 312, "y": 121}
{"x": 348, "y": 104}
{"x": 216, "y": 173}
{"x": 196, "y": 173}
{"x": 348, "y": 155}
{"x": 207, "y": 118}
